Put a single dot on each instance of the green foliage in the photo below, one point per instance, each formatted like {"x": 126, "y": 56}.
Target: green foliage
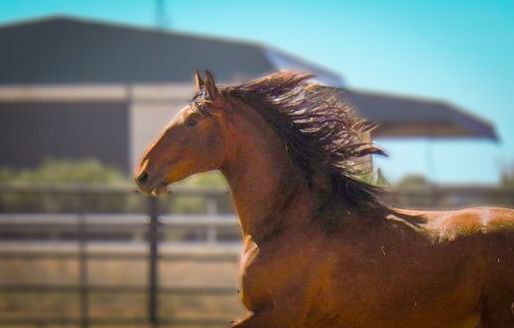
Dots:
{"x": 65, "y": 171}
{"x": 91, "y": 171}
{"x": 211, "y": 179}
{"x": 507, "y": 175}
{"x": 198, "y": 204}
{"x": 413, "y": 180}
{"x": 375, "y": 178}
{"x": 51, "y": 172}
{"x": 6, "y": 174}
{"x": 380, "y": 180}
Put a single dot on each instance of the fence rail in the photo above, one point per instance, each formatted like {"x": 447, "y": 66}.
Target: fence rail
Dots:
{"x": 152, "y": 223}
{"x": 150, "y": 246}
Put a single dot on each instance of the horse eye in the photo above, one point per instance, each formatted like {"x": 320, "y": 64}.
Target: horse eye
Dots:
{"x": 191, "y": 122}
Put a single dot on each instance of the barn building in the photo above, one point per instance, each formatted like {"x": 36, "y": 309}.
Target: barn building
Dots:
{"x": 73, "y": 89}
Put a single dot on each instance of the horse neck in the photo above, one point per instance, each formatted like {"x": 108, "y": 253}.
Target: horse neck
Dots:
{"x": 269, "y": 191}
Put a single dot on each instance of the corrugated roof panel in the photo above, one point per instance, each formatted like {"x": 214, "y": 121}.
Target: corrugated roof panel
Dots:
{"x": 68, "y": 50}
{"x": 400, "y": 117}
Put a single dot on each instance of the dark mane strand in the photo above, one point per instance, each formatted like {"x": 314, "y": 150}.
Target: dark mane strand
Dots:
{"x": 323, "y": 135}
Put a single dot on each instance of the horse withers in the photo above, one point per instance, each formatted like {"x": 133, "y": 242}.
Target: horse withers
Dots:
{"x": 320, "y": 248}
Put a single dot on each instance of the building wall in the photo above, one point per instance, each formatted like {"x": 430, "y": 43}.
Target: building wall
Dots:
{"x": 151, "y": 108}
{"x": 114, "y": 123}
{"x": 32, "y": 131}
{"x": 148, "y": 120}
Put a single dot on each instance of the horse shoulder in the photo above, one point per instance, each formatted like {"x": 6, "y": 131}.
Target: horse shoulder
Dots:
{"x": 271, "y": 270}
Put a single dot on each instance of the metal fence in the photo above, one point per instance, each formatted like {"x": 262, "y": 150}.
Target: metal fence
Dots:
{"x": 451, "y": 196}
{"x": 148, "y": 221}
{"x": 151, "y": 220}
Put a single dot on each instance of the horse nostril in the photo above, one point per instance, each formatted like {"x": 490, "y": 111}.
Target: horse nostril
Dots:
{"x": 143, "y": 178}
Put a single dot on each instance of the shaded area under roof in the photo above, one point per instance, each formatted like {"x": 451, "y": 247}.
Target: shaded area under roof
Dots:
{"x": 404, "y": 117}
{"x": 61, "y": 50}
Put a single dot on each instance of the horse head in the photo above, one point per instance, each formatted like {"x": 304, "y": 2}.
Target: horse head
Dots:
{"x": 192, "y": 142}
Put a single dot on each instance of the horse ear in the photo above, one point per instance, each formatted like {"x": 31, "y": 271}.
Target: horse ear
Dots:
{"x": 210, "y": 86}
{"x": 199, "y": 83}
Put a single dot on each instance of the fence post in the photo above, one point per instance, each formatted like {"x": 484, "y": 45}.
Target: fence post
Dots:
{"x": 212, "y": 211}
{"x": 83, "y": 271}
{"x": 153, "y": 239}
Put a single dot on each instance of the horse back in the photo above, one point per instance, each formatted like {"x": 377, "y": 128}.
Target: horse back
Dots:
{"x": 498, "y": 255}
{"x": 493, "y": 230}
{"x": 498, "y": 245}
{"x": 446, "y": 226}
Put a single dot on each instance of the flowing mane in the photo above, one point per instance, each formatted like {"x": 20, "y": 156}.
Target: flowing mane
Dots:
{"x": 321, "y": 132}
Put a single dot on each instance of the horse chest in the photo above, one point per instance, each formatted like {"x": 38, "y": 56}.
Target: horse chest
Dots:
{"x": 257, "y": 285}
{"x": 266, "y": 274}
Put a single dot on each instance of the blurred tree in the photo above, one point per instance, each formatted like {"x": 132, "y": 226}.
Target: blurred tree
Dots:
{"x": 414, "y": 200}
{"x": 210, "y": 179}
{"x": 413, "y": 180}
{"x": 52, "y": 171}
{"x": 91, "y": 171}
{"x": 66, "y": 171}
{"x": 507, "y": 175}
{"x": 374, "y": 178}
{"x": 198, "y": 204}
{"x": 381, "y": 180}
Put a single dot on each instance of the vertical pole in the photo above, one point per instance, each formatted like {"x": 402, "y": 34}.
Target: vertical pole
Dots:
{"x": 153, "y": 287}
{"x": 212, "y": 211}
{"x": 161, "y": 19}
{"x": 432, "y": 176}
{"x": 83, "y": 272}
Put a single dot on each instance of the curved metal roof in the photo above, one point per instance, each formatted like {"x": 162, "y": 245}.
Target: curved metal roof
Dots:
{"x": 402, "y": 117}
{"x": 69, "y": 50}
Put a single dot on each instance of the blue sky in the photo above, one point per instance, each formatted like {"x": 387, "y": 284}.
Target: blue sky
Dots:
{"x": 459, "y": 51}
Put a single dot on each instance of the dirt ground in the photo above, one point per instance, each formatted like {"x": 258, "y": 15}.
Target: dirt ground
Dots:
{"x": 48, "y": 272}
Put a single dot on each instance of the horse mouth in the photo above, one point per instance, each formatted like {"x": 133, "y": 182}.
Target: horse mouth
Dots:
{"x": 155, "y": 188}
{"x": 160, "y": 189}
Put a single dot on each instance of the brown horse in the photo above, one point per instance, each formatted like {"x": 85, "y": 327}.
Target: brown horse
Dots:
{"x": 320, "y": 249}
